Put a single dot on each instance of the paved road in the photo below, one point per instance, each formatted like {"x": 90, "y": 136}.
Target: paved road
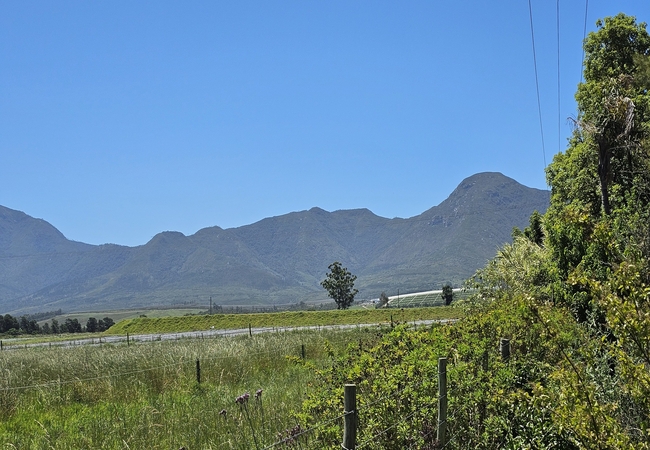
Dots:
{"x": 15, "y": 344}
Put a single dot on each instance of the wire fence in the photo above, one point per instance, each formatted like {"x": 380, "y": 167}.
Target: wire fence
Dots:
{"x": 308, "y": 434}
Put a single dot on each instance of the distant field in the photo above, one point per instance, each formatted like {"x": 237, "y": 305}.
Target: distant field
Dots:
{"x": 281, "y": 319}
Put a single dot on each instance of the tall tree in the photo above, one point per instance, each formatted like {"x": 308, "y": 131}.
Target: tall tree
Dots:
{"x": 606, "y": 168}
{"x": 340, "y": 285}
{"x": 612, "y": 101}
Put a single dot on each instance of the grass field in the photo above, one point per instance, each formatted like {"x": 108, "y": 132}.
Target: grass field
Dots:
{"x": 280, "y": 319}
{"x": 147, "y": 395}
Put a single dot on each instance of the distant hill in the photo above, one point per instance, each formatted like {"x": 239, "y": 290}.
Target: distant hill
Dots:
{"x": 277, "y": 260}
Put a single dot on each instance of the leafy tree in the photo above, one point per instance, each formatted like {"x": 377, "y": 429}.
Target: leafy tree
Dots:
{"x": 534, "y": 231}
{"x": 105, "y": 323}
{"x": 24, "y": 324}
{"x": 600, "y": 187}
{"x": 46, "y": 328}
{"x": 11, "y": 323}
{"x": 340, "y": 285}
{"x": 71, "y": 326}
{"x": 383, "y": 300}
{"x": 56, "y": 329}
{"x": 447, "y": 294}
{"x": 612, "y": 106}
{"x": 91, "y": 325}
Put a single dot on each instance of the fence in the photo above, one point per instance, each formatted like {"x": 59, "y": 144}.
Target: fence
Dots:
{"x": 351, "y": 413}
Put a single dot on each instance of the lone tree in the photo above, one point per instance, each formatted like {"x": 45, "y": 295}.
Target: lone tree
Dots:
{"x": 340, "y": 285}
{"x": 447, "y": 294}
{"x": 383, "y": 300}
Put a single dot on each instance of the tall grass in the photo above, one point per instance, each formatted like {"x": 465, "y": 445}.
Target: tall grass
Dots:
{"x": 147, "y": 396}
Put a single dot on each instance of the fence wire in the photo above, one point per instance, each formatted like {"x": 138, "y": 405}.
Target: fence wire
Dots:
{"x": 309, "y": 430}
{"x": 297, "y": 432}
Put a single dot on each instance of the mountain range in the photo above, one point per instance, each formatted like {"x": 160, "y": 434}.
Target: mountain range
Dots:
{"x": 278, "y": 260}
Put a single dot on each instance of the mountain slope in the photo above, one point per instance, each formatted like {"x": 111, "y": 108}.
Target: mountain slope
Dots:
{"x": 276, "y": 260}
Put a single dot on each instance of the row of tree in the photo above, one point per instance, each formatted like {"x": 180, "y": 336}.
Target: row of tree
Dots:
{"x": 25, "y": 325}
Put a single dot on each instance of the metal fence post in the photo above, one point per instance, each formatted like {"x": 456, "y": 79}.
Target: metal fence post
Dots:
{"x": 198, "y": 371}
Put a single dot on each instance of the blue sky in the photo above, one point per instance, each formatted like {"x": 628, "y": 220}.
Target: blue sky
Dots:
{"x": 121, "y": 119}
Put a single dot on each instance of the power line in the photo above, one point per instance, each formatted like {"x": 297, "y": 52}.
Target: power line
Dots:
{"x": 559, "y": 127}
{"x": 539, "y": 103}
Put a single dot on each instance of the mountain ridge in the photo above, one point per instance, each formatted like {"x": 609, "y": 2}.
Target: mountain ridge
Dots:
{"x": 276, "y": 260}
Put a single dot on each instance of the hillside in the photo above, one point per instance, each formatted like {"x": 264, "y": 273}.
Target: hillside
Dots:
{"x": 277, "y": 260}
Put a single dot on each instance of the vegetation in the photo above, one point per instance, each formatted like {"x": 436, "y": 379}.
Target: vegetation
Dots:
{"x": 25, "y": 325}
{"x": 571, "y": 293}
{"x": 147, "y": 325}
{"x": 339, "y": 284}
{"x": 147, "y": 395}
{"x": 383, "y": 300}
{"x": 447, "y": 294}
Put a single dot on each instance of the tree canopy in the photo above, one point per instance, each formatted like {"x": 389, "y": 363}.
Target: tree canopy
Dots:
{"x": 340, "y": 285}
{"x": 589, "y": 255}
{"x": 447, "y": 294}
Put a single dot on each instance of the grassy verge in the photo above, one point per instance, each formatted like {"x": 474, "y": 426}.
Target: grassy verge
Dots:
{"x": 280, "y": 319}
{"x": 147, "y": 395}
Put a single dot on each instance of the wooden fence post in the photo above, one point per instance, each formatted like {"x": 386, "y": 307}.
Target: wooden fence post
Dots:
{"x": 198, "y": 371}
{"x": 504, "y": 348}
{"x": 302, "y": 351}
{"x": 350, "y": 410}
{"x": 442, "y": 402}
{"x": 250, "y": 330}
{"x": 0, "y": 345}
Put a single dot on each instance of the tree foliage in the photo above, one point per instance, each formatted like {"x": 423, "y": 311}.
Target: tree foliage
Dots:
{"x": 383, "y": 300}
{"x": 590, "y": 253}
{"x": 571, "y": 292}
{"x": 447, "y": 294}
{"x": 600, "y": 187}
{"x": 340, "y": 285}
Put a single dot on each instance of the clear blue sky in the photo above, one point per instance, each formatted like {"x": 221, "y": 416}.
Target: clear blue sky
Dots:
{"x": 121, "y": 119}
